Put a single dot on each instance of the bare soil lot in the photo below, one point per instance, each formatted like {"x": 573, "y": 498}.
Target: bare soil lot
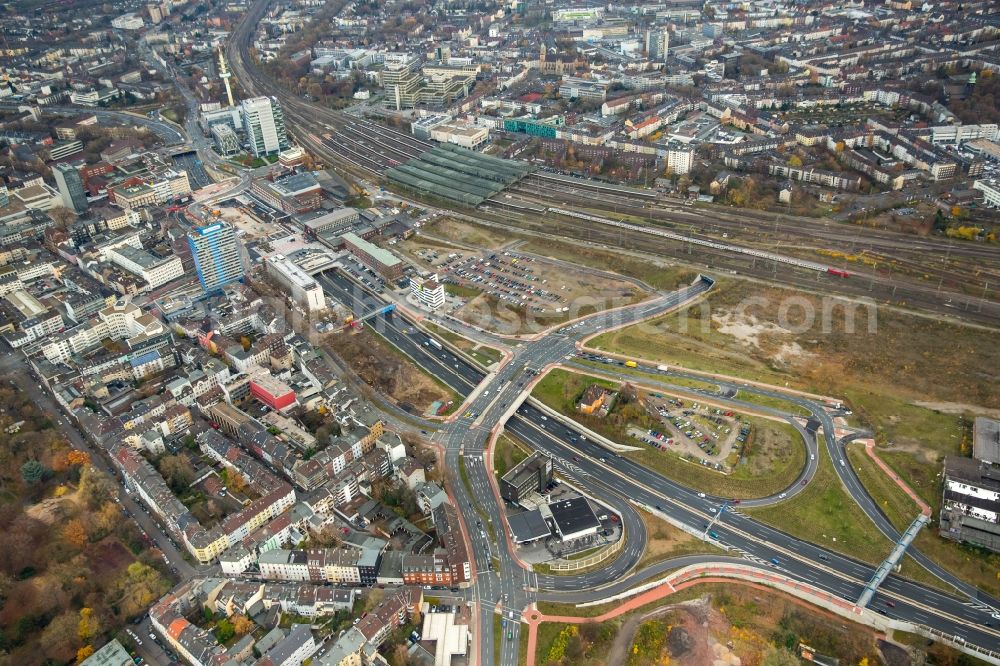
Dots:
{"x": 381, "y": 366}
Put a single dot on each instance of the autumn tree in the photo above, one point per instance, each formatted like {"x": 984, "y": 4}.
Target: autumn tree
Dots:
{"x": 88, "y": 626}
{"x": 75, "y": 533}
{"x": 59, "y": 638}
{"x": 96, "y": 487}
{"x": 177, "y": 472}
{"x": 242, "y": 625}
{"x": 83, "y": 653}
{"x": 237, "y": 483}
{"x": 137, "y": 588}
{"x": 62, "y": 216}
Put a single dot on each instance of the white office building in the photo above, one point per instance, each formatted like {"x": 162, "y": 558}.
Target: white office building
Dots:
{"x": 991, "y": 191}
{"x": 428, "y": 291}
{"x": 156, "y": 271}
{"x": 304, "y": 290}
{"x": 264, "y": 124}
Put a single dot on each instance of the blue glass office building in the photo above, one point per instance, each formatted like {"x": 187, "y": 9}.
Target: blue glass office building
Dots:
{"x": 216, "y": 254}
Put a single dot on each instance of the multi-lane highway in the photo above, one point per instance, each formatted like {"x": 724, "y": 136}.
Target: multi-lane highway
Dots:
{"x": 501, "y": 580}
{"x": 504, "y": 584}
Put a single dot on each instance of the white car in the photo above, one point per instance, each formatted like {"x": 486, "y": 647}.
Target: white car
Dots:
{"x": 702, "y": 495}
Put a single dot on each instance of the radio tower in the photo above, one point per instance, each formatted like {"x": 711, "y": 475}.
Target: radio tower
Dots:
{"x": 225, "y": 74}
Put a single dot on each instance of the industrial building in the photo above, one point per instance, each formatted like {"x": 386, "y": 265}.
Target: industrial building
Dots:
{"x": 574, "y": 518}
{"x": 457, "y": 174}
{"x": 156, "y": 271}
{"x": 271, "y": 391}
{"x": 531, "y": 475}
{"x": 333, "y": 222}
{"x": 295, "y": 193}
{"x": 381, "y": 261}
{"x": 970, "y": 503}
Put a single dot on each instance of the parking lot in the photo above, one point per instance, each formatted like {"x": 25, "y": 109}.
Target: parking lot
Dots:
{"x": 715, "y": 437}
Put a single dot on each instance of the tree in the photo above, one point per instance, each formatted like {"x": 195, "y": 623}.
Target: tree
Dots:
{"x": 795, "y": 161}
{"x": 224, "y": 630}
{"x": 177, "y": 472}
{"x": 237, "y": 483}
{"x": 83, "y": 653}
{"x": 242, "y": 625}
{"x": 75, "y": 533}
{"x": 59, "y": 637}
{"x": 32, "y": 472}
{"x": 62, "y": 216}
{"x": 96, "y": 487}
{"x": 137, "y": 588}
{"x": 77, "y": 458}
{"x": 88, "y": 627}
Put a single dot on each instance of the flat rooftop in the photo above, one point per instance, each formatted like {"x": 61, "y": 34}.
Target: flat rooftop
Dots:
{"x": 383, "y": 257}
{"x": 986, "y": 440}
{"x": 574, "y": 515}
{"x": 528, "y": 526}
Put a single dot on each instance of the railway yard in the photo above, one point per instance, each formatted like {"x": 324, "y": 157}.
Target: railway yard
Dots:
{"x": 961, "y": 280}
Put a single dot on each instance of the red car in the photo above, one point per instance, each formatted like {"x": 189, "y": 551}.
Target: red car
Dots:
{"x": 736, "y": 501}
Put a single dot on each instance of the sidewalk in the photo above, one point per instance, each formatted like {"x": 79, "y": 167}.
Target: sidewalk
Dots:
{"x": 870, "y": 450}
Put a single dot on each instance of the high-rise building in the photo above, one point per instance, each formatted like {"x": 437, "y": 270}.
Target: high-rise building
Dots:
{"x": 264, "y": 124}
{"x": 70, "y": 187}
{"x": 217, "y": 257}
{"x": 657, "y": 44}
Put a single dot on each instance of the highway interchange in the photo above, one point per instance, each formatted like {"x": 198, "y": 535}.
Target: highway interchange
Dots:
{"x": 496, "y": 398}
{"x": 620, "y": 483}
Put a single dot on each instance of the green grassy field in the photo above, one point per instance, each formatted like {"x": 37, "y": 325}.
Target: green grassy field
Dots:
{"x": 507, "y": 454}
{"x": 776, "y": 458}
{"x": 486, "y": 356}
{"x": 825, "y": 514}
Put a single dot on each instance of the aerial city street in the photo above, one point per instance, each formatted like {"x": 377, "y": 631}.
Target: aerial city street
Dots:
{"x": 499, "y": 333}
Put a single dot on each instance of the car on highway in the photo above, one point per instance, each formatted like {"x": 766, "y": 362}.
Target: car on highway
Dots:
{"x": 890, "y": 604}
{"x": 775, "y": 561}
{"x": 510, "y": 635}
{"x": 576, "y": 458}
{"x": 782, "y": 495}
{"x": 701, "y": 495}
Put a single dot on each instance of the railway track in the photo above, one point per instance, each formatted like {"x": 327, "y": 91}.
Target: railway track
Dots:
{"x": 912, "y": 261}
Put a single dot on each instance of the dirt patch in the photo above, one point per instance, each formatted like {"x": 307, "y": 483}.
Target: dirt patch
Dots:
{"x": 50, "y": 511}
{"x": 763, "y": 336}
{"x": 734, "y": 625}
{"x": 388, "y": 371}
{"x": 958, "y": 408}
{"x": 680, "y": 643}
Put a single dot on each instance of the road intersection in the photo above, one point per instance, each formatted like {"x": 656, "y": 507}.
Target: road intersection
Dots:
{"x": 495, "y": 399}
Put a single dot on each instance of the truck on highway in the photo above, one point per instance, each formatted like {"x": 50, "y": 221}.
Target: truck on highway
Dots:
{"x": 434, "y": 343}
{"x": 631, "y": 364}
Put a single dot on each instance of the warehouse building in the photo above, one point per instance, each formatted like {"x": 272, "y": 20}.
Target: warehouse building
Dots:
{"x": 574, "y": 518}
{"x": 970, "y": 503}
{"x": 304, "y": 290}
